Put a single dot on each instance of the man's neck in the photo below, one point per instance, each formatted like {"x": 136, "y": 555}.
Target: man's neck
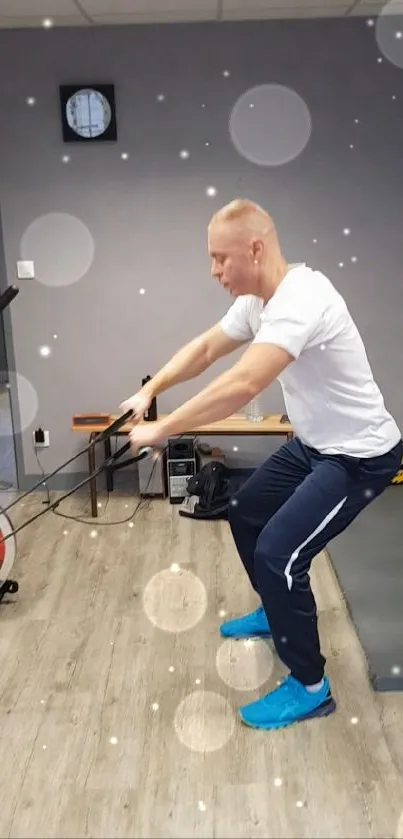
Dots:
{"x": 273, "y": 279}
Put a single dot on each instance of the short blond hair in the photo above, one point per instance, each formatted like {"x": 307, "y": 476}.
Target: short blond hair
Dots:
{"x": 248, "y": 213}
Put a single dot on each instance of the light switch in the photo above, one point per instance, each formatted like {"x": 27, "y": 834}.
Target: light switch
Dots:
{"x": 25, "y": 270}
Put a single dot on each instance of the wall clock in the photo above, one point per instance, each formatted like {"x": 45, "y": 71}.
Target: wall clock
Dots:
{"x": 88, "y": 113}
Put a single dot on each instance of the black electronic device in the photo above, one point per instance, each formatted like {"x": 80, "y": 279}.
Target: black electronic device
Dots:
{"x": 182, "y": 463}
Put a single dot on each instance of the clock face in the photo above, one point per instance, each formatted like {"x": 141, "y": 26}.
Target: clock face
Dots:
{"x": 88, "y": 113}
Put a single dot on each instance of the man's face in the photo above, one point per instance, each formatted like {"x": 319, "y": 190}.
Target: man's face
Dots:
{"x": 232, "y": 258}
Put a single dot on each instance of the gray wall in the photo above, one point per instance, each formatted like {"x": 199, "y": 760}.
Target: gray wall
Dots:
{"x": 146, "y": 216}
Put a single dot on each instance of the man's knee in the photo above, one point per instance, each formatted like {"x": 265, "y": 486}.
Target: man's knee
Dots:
{"x": 271, "y": 555}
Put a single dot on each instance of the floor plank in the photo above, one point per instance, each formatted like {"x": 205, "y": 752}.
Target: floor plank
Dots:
{"x": 118, "y": 698}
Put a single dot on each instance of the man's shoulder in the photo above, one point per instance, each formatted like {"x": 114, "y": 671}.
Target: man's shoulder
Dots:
{"x": 246, "y": 303}
{"x": 306, "y": 281}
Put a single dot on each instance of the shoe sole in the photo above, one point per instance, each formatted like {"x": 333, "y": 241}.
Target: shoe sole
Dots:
{"x": 327, "y": 707}
{"x": 243, "y": 635}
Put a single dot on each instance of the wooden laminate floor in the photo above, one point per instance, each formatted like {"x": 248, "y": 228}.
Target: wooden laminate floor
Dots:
{"x": 118, "y": 697}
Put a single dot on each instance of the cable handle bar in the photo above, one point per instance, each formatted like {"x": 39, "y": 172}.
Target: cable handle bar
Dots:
{"x": 143, "y": 452}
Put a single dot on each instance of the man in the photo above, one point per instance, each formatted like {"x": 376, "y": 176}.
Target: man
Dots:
{"x": 345, "y": 452}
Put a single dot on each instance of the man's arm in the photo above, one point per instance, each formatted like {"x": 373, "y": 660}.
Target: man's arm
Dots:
{"x": 192, "y": 360}
{"x": 258, "y": 368}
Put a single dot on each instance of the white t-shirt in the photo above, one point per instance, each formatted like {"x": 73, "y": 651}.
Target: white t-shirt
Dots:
{"x": 331, "y": 398}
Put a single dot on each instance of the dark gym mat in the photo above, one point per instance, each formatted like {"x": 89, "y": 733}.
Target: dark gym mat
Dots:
{"x": 368, "y": 561}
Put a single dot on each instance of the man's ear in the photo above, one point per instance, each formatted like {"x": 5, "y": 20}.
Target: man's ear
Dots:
{"x": 257, "y": 250}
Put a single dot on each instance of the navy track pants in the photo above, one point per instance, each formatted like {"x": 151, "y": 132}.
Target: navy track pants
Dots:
{"x": 282, "y": 517}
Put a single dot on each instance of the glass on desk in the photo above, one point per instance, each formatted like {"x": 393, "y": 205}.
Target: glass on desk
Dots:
{"x": 253, "y": 411}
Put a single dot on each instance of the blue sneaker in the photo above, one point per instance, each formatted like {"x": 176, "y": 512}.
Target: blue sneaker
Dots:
{"x": 291, "y": 702}
{"x": 253, "y": 625}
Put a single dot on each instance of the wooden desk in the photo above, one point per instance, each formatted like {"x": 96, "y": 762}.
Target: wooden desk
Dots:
{"x": 236, "y": 425}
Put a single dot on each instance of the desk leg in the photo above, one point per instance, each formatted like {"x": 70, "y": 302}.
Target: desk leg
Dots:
{"x": 109, "y": 473}
{"x": 290, "y": 436}
{"x": 93, "y": 481}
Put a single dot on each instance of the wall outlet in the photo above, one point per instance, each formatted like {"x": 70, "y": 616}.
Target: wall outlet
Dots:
{"x": 25, "y": 270}
{"x": 41, "y": 438}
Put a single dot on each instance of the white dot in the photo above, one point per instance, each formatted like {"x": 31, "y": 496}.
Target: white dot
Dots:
{"x": 197, "y": 681}
{"x": 47, "y": 22}
{"x": 65, "y": 532}
{"x": 113, "y": 741}
{"x": 351, "y": 146}
{"x": 379, "y": 60}
{"x": 142, "y": 291}
{"x": 244, "y": 666}
{"x": 353, "y": 259}
{"x": 184, "y": 154}
{"x": 234, "y": 502}
{"x": 396, "y": 670}
{"x": 45, "y": 351}
{"x": 323, "y": 346}
{"x": 93, "y": 534}
{"x": 222, "y": 613}
{"x": 211, "y": 191}
{"x": 207, "y": 143}
{"x": 54, "y": 337}
{"x": 356, "y": 121}
{"x": 314, "y": 241}
{"x": 48, "y": 242}
{"x": 346, "y": 231}
{"x": 131, "y": 524}
{"x": 354, "y": 720}
{"x": 398, "y": 35}
{"x": 369, "y": 493}
{"x": 28, "y": 404}
{"x": 171, "y": 669}
{"x": 393, "y": 97}
{"x": 278, "y": 782}
{"x": 126, "y": 506}
{"x": 279, "y": 129}
{"x": 99, "y": 504}
{"x": 160, "y": 97}
{"x": 341, "y": 264}
{"x": 44, "y": 747}
{"x": 370, "y": 22}
{"x": 42, "y": 701}
{"x": 226, "y": 73}
{"x": 66, "y": 158}
{"x": 203, "y": 105}
{"x": 202, "y": 807}
{"x": 175, "y": 568}
{"x": 234, "y": 448}
{"x": 124, "y": 155}
{"x": 155, "y": 706}
{"x": 204, "y": 721}
{"x": 175, "y": 601}
{"x": 30, "y": 100}
{"x": 283, "y": 639}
